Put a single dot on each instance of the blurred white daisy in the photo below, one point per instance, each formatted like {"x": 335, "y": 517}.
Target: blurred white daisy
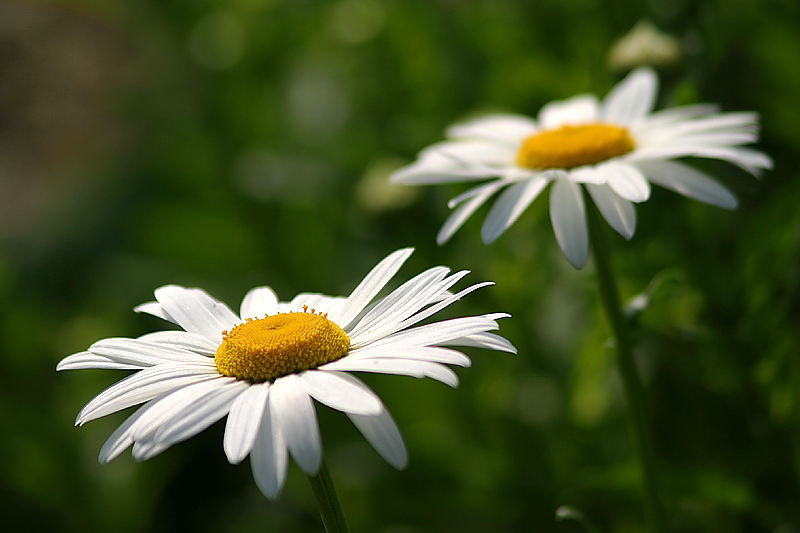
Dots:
{"x": 263, "y": 367}
{"x": 615, "y": 148}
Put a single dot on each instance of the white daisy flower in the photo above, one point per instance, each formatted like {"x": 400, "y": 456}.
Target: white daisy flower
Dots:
{"x": 263, "y": 367}
{"x": 616, "y": 149}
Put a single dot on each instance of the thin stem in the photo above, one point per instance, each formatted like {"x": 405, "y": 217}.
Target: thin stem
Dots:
{"x": 632, "y": 384}
{"x": 328, "y": 502}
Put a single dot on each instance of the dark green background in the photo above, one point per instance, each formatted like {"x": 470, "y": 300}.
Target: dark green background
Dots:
{"x": 227, "y": 144}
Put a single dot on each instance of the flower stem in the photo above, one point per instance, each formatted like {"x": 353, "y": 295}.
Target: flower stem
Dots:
{"x": 632, "y": 384}
{"x": 328, "y": 502}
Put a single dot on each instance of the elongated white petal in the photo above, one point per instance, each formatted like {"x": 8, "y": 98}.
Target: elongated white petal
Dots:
{"x": 569, "y": 221}
{"x": 382, "y": 433}
{"x": 165, "y": 407}
{"x": 434, "y": 167}
{"x": 184, "y": 340}
{"x": 155, "y": 309}
{"x": 465, "y": 210}
{"x": 196, "y": 312}
{"x": 401, "y": 367}
{"x": 750, "y": 160}
{"x": 477, "y": 152}
{"x": 268, "y": 458}
{"x": 341, "y": 391}
{"x": 673, "y": 115}
{"x": 632, "y": 98}
{"x": 509, "y": 129}
{"x": 197, "y": 416}
{"x": 370, "y": 286}
{"x": 143, "y": 386}
{"x": 403, "y": 301}
{"x": 121, "y": 438}
{"x": 484, "y": 340}
{"x": 259, "y": 302}
{"x": 618, "y": 212}
{"x": 509, "y": 206}
{"x": 626, "y": 180}
{"x": 143, "y": 353}
{"x": 293, "y": 413}
{"x": 83, "y": 360}
{"x": 573, "y": 111}
{"x": 430, "y": 311}
{"x": 404, "y": 312}
{"x": 434, "y": 354}
{"x": 244, "y": 420}
{"x": 438, "y": 332}
{"x": 688, "y": 182}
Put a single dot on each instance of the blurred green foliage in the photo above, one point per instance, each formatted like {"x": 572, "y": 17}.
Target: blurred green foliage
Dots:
{"x": 227, "y": 144}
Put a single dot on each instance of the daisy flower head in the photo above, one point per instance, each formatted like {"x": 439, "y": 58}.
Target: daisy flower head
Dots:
{"x": 615, "y": 149}
{"x": 263, "y": 367}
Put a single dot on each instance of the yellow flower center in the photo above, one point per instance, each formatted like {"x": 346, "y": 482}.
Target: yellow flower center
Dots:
{"x": 267, "y": 348}
{"x": 574, "y": 146}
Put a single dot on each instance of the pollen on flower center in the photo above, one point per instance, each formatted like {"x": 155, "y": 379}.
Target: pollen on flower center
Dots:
{"x": 573, "y": 146}
{"x": 266, "y": 348}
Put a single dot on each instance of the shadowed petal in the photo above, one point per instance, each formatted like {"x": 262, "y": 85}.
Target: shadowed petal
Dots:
{"x": 632, "y": 98}
{"x": 618, "y": 212}
{"x": 382, "y": 433}
{"x": 569, "y": 221}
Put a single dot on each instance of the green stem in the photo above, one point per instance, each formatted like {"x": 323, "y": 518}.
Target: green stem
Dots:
{"x": 632, "y": 384}
{"x": 328, "y": 502}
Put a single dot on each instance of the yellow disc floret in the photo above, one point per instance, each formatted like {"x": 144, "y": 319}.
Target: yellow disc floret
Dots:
{"x": 266, "y": 348}
{"x": 573, "y": 146}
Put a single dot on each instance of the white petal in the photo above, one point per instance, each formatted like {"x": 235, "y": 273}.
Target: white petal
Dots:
{"x": 476, "y": 152}
{"x": 626, "y": 180}
{"x": 750, "y": 160}
{"x": 576, "y": 110}
{"x": 196, "y": 312}
{"x": 82, "y": 360}
{"x": 430, "y": 311}
{"x": 438, "y": 332}
{"x": 268, "y": 458}
{"x": 244, "y": 420}
{"x": 340, "y": 391}
{"x": 510, "y": 129}
{"x": 587, "y": 174}
{"x": 432, "y": 354}
{"x": 155, "y": 309}
{"x": 143, "y": 353}
{"x": 465, "y": 210}
{"x": 293, "y": 413}
{"x": 143, "y": 386}
{"x": 382, "y": 433}
{"x": 182, "y": 339}
{"x": 433, "y": 167}
{"x": 632, "y": 98}
{"x": 569, "y": 222}
{"x": 197, "y": 416}
{"x": 370, "y": 286}
{"x": 509, "y": 206}
{"x": 259, "y": 302}
{"x": 671, "y": 115}
{"x": 402, "y": 302}
{"x": 165, "y": 407}
{"x": 618, "y": 212}
{"x": 484, "y": 340}
{"x": 400, "y": 367}
{"x": 688, "y": 182}
{"x": 121, "y": 438}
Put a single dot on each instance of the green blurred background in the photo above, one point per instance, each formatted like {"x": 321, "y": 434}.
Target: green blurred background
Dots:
{"x": 227, "y": 144}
